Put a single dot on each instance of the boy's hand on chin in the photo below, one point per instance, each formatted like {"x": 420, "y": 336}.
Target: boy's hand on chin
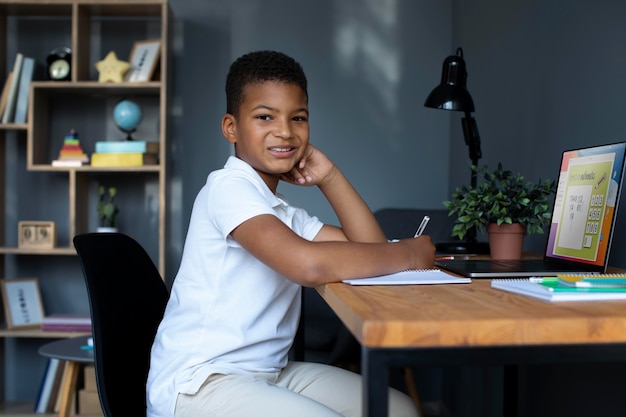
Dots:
{"x": 312, "y": 169}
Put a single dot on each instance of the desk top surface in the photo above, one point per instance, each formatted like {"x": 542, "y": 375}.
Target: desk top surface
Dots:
{"x": 464, "y": 315}
{"x": 71, "y": 349}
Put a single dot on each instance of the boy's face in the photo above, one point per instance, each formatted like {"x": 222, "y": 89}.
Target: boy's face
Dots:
{"x": 271, "y": 132}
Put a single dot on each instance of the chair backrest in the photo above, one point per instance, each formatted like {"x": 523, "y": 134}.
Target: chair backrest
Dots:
{"x": 401, "y": 223}
{"x": 127, "y": 298}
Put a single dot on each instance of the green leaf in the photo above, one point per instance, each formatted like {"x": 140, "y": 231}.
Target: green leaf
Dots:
{"x": 501, "y": 197}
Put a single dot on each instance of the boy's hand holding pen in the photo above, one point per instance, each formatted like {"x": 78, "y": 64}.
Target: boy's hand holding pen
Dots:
{"x": 422, "y": 248}
{"x": 422, "y": 226}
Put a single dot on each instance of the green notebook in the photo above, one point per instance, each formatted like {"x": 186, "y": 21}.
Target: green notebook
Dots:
{"x": 549, "y": 289}
{"x": 593, "y": 281}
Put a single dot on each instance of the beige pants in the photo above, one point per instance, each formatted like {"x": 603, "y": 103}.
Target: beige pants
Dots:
{"x": 301, "y": 389}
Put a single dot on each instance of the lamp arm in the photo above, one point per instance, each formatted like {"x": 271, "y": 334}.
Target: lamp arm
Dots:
{"x": 472, "y": 140}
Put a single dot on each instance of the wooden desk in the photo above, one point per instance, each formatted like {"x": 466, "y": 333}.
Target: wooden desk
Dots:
{"x": 457, "y": 324}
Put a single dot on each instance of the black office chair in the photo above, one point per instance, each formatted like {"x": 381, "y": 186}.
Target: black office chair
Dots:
{"x": 127, "y": 298}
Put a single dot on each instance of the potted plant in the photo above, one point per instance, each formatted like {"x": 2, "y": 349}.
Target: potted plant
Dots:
{"x": 501, "y": 201}
{"x": 107, "y": 210}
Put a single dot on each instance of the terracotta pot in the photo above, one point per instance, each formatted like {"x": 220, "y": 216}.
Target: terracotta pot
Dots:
{"x": 506, "y": 241}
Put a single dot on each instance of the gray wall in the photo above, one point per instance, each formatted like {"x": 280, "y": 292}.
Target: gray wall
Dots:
{"x": 370, "y": 66}
{"x": 544, "y": 78}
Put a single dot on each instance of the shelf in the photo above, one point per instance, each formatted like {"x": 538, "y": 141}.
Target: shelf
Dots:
{"x": 39, "y": 334}
{"x": 13, "y": 126}
{"x": 21, "y": 409}
{"x": 95, "y": 87}
{"x": 54, "y": 251}
{"x": 32, "y": 189}
{"x": 89, "y": 168}
{"x": 113, "y": 8}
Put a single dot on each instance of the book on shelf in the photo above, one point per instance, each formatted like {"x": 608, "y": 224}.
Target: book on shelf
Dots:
{"x": 79, "y": 328}
{"x": 56, "y": 406}
{"x": 128, "y": 159}
{"x": 43, "y": 397}
{"x": 41, "y": 386}
{"x": 549, "y": 289}
{"x": 126, "y": 146}
{"x": 30, "y": 71}
{"x": 5, "y": 93}
{"x": 61, "y": 318}
{"x": 411, "y": 277}
{"x": 593, "y": 280}
{"x": 9, "y": 110}
{"x": 67, "y": 323}
{"x": 55, "y": 392}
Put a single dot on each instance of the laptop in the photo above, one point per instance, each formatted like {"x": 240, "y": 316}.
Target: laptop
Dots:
{"x": 582, "y": 225}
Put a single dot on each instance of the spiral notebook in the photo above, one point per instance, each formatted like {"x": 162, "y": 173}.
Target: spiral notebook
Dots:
{"x": 548, "y": 289}
{"x": 411, "y": 277}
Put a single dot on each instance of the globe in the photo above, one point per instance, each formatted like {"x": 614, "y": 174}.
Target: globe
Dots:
{"x": 127, "y": 116}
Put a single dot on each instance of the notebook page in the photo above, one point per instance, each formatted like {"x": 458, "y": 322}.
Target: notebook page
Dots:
{"x": 411, "y": 277}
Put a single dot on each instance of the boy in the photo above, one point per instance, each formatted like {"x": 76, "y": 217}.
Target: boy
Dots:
{"x": 221, "y": 349}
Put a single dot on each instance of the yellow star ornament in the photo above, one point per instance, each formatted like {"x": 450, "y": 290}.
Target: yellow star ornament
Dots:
{"x": 111, "y": 69}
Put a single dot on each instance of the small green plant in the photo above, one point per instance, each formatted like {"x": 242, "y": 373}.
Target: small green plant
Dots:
{"x": 501, "y": 197}
{"x": 107, "y": 209}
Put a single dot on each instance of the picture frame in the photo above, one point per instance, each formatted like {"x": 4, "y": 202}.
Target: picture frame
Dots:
{"x": 36, "y": 235}
{"x": 143, "y": 60}
{"x": 21, "y": 298}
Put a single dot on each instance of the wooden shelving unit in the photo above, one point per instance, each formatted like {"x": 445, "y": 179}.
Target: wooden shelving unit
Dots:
{"x": 30, "y": 187}
{"x": 38, "y": 334}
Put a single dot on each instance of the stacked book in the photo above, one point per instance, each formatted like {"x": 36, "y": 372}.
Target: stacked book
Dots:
{"x": 15, "y": 94}
{"x": 48, "y": 398}
{"x": 575, "y": 287}
{"x": 128, "y": 153}
{"x": 67, "y": 323}
{"x": 71, "y": 154}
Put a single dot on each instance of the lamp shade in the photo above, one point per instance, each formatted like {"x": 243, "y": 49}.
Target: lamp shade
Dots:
{"x": 452, "y": 93}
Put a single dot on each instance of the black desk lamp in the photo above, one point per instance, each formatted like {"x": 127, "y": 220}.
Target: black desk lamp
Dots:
{"x": 452, "y": 94}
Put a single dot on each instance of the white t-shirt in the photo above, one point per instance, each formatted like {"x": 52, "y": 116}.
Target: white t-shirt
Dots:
{"x": 228, "y": 312}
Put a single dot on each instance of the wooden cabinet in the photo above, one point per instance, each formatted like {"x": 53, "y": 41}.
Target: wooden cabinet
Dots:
{"x": 31, "y": 189}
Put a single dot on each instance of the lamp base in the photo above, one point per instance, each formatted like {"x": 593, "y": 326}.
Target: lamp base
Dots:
{"x": 463, "y": 247}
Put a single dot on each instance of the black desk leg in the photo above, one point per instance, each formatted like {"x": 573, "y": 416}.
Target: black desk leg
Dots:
{"x": 510, "y": 391}
{"x": 375, "y": 374}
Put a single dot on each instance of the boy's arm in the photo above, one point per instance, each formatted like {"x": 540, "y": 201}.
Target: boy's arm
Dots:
{"x": 312, "y": 263}
{"x": 357, "y": 220}
{"x": 358, "y": 224}
{"x": 358, "y": 250}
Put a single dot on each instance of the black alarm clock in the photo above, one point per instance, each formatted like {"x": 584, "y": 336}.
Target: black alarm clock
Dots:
{"x": 59, "y": 64}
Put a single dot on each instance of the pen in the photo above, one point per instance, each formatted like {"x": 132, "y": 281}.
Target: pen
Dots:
{"x": 422, "y": 226}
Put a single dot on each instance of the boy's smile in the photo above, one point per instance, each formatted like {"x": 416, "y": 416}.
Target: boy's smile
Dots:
{"x": 271, "y": 131}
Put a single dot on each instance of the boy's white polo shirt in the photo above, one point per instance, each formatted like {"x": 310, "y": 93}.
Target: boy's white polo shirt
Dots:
{"x": 228, "y": 312}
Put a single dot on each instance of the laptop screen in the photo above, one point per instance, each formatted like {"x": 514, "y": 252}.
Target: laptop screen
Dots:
{"x": 585, "y": 204}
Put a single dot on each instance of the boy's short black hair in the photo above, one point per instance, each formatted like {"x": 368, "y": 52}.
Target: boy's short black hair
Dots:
{"x": 257, "y": 67}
